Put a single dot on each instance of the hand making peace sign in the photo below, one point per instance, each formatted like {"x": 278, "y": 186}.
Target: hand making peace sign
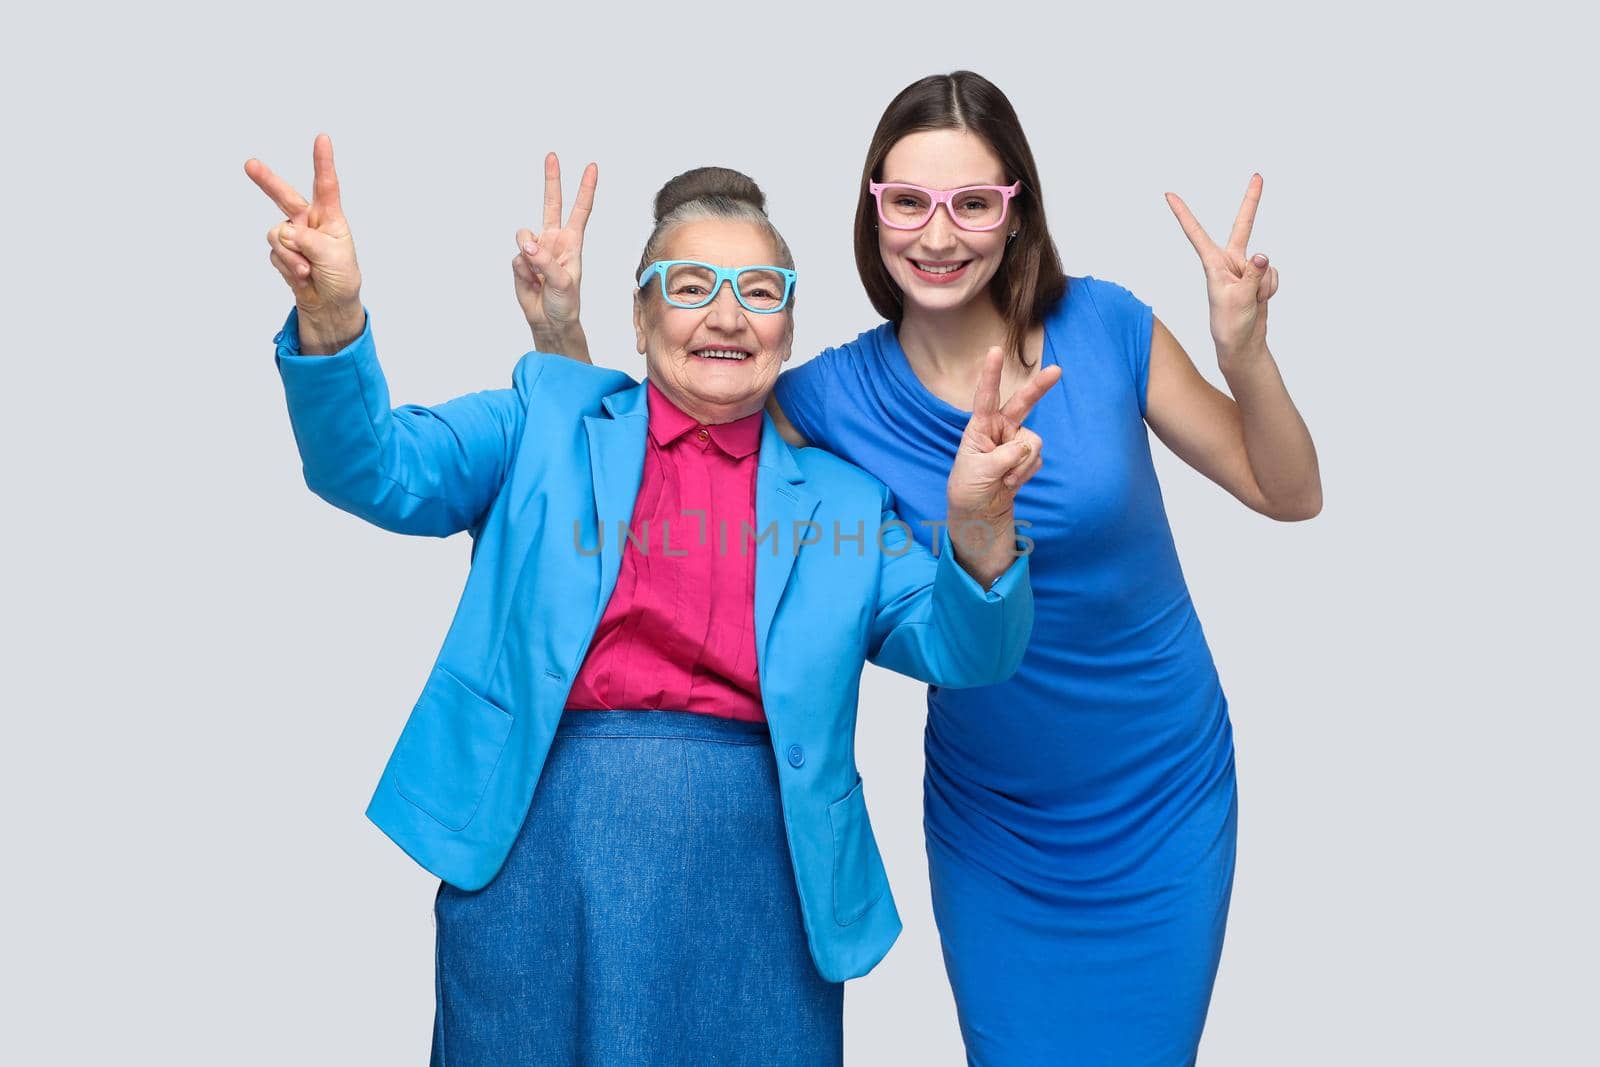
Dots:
{"x": 548, "y": 267}
{"x": 997, "y": 455}
{"x": 312, "y": 247}
{"x": 1237, "y": 285}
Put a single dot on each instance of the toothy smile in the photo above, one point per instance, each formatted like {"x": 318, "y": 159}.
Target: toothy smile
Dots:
{"x": 939, "y": 273}
{"x": 722, "y": 353}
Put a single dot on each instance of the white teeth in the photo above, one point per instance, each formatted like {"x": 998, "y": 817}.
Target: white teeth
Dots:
{"x": 722, "y": 353}
{"x": 938, "y": 270}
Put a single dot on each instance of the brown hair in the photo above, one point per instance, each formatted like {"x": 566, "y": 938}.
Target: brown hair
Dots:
{"x": 1030, "y": 278}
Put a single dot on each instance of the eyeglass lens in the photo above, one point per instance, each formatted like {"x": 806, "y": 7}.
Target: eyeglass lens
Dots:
{"x": 904, "y": 205}
{"x": 692, "y": 285}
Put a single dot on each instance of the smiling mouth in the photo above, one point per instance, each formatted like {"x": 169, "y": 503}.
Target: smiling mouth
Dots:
{"x": 939, "y": 272}
{"x": 730, "y": 354}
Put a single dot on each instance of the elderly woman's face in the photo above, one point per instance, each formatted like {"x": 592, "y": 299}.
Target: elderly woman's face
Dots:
{"x": 717, "y": 363}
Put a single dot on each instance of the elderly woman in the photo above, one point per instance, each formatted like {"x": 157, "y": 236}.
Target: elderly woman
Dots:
{"x": 632, "y": 764}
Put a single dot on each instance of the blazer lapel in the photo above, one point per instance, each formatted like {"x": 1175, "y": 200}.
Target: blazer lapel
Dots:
{"x": 616, "y": 464}
{"x": 783, "y": 499}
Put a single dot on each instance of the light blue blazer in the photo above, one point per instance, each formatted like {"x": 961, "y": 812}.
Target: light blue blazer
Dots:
{"x": 534, "y": 473}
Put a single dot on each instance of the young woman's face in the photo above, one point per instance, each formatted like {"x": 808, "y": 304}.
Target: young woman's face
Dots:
{"x": 716, "y": 363}
{"x": 921, "y": 261}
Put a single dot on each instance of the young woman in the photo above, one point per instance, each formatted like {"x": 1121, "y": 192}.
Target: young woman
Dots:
{"x": 1080, "y": 818}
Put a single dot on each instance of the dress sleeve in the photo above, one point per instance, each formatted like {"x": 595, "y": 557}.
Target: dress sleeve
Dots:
{"x": 803, "y": 395}
{"x": 1129, "y": 321}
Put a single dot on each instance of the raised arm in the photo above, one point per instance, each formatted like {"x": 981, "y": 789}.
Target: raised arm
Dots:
{"x": 314, "y": 252}
{"x": 547, "y": 270}
{"x": 1254, "y": 443}
{"x": 996, "y": 456}
{"x": 411, "y": 469}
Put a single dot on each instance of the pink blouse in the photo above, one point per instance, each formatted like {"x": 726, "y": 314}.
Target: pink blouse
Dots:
{"x": 679, "y": 631}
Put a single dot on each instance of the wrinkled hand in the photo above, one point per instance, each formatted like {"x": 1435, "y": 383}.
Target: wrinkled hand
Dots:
{"x": 312, "y": 248}
{"x": 1238, "y": 286}
{"x": 997, "y": 455}
{"x": 548, "y": 266}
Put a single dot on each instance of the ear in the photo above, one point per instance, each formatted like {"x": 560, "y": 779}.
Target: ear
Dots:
{"x": 638, "y": 324}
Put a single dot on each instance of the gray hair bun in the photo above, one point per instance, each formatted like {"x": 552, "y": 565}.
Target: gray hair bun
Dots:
{"x": 709, "y": 183}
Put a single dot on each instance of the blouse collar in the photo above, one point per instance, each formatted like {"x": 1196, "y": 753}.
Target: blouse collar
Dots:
{"x": 669, "y": 423}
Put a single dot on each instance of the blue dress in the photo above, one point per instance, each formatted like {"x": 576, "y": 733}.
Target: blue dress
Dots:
{"x": 1080, "y": 818}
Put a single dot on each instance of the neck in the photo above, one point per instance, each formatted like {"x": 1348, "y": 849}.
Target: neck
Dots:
{"x": 949, "y": 341}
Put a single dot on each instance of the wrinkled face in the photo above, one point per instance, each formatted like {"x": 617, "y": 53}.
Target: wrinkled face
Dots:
{"x": 941, "y": 267}
{"x": 716, "y": 363}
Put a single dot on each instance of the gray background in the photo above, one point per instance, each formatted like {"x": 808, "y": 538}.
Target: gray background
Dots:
{"x": 207, "y": 665}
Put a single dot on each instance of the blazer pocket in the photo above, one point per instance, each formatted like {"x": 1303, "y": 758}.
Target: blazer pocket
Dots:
{"x": 449, "y": 749}
{"x": 858, "y": 875}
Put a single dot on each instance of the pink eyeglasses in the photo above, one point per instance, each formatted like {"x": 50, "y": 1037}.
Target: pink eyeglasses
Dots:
{"x": 972, "y": 207}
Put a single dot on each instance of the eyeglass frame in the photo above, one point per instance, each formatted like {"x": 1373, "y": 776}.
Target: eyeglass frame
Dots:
{"x": 728, "y": 274}
{"x": 945, "y": 196}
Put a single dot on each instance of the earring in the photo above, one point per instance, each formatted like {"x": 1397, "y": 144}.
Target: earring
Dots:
{"x": 1010, "y": 235}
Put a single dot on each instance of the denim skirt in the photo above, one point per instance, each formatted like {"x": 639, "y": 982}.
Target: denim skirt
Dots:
{"x": 647, "y": 913}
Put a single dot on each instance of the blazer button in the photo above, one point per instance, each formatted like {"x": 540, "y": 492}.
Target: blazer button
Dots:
{"x": 797, "y": 755}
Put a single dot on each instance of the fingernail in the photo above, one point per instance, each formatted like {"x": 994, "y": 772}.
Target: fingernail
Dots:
{"x": 1259, "y": 260}
{"x": 530, "y": 248}
{"x": 287, "y": 231}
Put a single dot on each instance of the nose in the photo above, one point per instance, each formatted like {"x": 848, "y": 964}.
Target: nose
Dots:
{"x": 939, "y": 232}
{"x": 725, "y": 312}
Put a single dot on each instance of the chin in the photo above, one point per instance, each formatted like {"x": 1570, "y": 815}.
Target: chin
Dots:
{"x": 726, "y": 390}
{"x": 937, "y": 299}
{"x": 722, "y": 382}
{"x": 943, "y": 297}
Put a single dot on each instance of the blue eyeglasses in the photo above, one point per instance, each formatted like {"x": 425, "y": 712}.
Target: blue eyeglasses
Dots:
{"x": 688, "y": 283}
